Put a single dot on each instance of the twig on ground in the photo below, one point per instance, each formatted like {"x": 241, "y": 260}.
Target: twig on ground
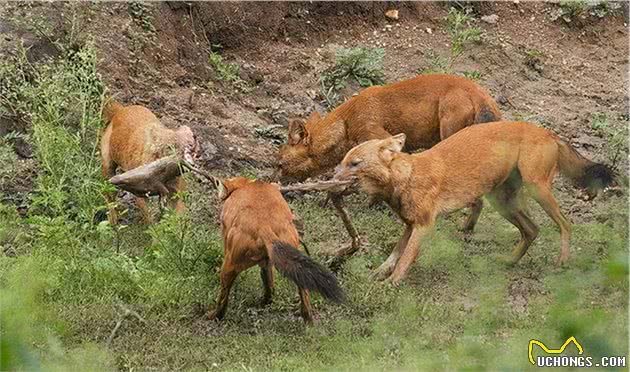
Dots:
{"x": 126, "y": 313}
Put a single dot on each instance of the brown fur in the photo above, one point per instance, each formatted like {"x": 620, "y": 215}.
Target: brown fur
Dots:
{"x": 500, "y": 160}
{"x": 428, "y": 108}
{"x": 257, "y": 227}
{"x": 135, "y": 137}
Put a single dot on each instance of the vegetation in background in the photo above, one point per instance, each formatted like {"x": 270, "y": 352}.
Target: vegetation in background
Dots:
{"x": 460, "y": 307}
{"x": 616, "y": 135}
{"x": 578, "y": 11}
{"x": 227, "y": 72}
{"x": 141, "y": 13}
{"x": 534, "y": 59}
{"x": 459, "y": 25}
{"x": 361, "y": 65}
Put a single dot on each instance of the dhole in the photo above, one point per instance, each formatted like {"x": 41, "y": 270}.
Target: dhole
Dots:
{"x": 501, "y": 160}
{"x": 257, "y": 228}
{"x": 135, "y": 137}
{"x": 427, "y": 109}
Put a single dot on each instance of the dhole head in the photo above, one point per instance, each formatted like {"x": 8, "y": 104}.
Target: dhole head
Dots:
{"x": 295, "y": 160}
{"x": 370, "y": 158}
{"x": 228, "y": 186}
{"x": 187, "y": 142}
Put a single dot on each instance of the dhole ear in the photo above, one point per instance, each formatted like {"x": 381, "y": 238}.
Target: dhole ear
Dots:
{"x": 297, "y": 132}
{"x": 396, "y": 143}
{"x": 314, "y": 116}
{"x": 392, "y": 145}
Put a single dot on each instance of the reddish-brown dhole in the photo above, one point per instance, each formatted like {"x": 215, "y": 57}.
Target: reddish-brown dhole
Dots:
{"x": 427, "y": 109}
{"x": 134, "y": 137}
{"x": 257, "y": 228}
{"x": 504, "y": 161}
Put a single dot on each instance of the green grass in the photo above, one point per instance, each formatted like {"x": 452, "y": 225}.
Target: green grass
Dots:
{"x": 71, "y": 278}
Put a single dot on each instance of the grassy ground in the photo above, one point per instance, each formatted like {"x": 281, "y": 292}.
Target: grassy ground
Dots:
{"x": 67, "y": 280}
{"x": 460, "y": 308}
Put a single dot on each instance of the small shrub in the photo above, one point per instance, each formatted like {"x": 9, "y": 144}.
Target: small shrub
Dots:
{"x": 62, "y": 99}
{"x": 362, "y": 65}
{"x": 472, "y": 75}
{"x": 461, "y": 31}
{"x": 181, "y": 247}
{"x": 578, "y": 11}
{"x": 534, "y": 59}
{"x": 437, "y": 65}
{"x": 8, "y": 159}
{"x": 228, "y": 72}
{"x": 141, "y": 13}
{"x": 615, "y": 133}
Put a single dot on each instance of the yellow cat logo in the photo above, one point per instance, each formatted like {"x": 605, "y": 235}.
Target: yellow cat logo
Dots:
{"x": 553, "y": 351}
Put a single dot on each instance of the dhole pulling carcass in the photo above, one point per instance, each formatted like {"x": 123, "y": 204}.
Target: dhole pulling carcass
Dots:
{"x": 427, "y": 109}
{"x": 134, "y": 137}
{"x": 503, "y": 160}
{"x": 257, "y": 228}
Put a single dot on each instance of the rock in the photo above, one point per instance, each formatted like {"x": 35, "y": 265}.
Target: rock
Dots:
{"x": 392, "y": 14}
{"x": 492, "y": 19}
{"x": 429, "y": 31}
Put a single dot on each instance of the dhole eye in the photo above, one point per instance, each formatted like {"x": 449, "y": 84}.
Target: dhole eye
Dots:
{"x": 355, "y": 162}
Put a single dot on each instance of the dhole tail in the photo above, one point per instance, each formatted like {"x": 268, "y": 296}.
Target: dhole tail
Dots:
{"x": 585, "y": 173}
{"x": 486, "y": 115}
{"x": 305, "y": 272}
{"x": 110, "y": 108}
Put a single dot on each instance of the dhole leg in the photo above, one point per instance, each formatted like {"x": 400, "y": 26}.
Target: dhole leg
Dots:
{"x": 475, "y": 211}
{"x": 387, "y": 267}
{"x": 544, "y": 197}
{"x": 337, "y": 200}
{"x": 266, "y": 275}
{"x": 506, "y": 200}
{"x": 141, "y": 203}
{"x": 305, "y": 305}
{"x": 412, "y": 250}
{"x": 227, "y": 279}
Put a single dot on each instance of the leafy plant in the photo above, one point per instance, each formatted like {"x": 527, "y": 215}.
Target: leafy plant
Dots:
{"x": 437, "y": 65}
{"x": 461, "y": 31}
{"x": 616, "y": 135}
{"x": 141, "y": 13}
{"x": 228, "y": 72}
{"x": 573, "y": 11}
{"x": 472, "y": 75}
{"x": 62, "y": 100}
{"x": 363, "y": 65}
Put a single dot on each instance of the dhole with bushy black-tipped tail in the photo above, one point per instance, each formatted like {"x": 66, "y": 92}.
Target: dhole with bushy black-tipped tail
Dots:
{"x": 500, "y": 160}
{"x": 257, "y": 228}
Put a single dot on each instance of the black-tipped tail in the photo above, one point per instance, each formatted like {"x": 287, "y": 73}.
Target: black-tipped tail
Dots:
{"x": 596, "y": 177}
{"x": 486, "y": 115}
{"x": 305, "y": 272}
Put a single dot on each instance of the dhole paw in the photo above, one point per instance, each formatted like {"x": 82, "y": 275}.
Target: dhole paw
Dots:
{"x": 393, "y": 281}
{"x": 561, "y": 260}
{"x": 213, "y": 315}
{"x": 383, "y": 272}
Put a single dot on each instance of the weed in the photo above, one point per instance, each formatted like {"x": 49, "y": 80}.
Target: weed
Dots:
{"x": 228, "y": 72}
{"x": 578, "y": 11}
{"x": 141, "y": 14}
{"x": 472, "y": 75}
{"x": 437, "y": 65}
{"x": 361, "y": 65}
{"x": 461, "y": 31}
{"x": 615, "y": 133}
{"x": 534, "y": 59}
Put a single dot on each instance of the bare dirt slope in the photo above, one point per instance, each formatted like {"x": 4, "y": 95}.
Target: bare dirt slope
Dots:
{"x": 157, "y": 54}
